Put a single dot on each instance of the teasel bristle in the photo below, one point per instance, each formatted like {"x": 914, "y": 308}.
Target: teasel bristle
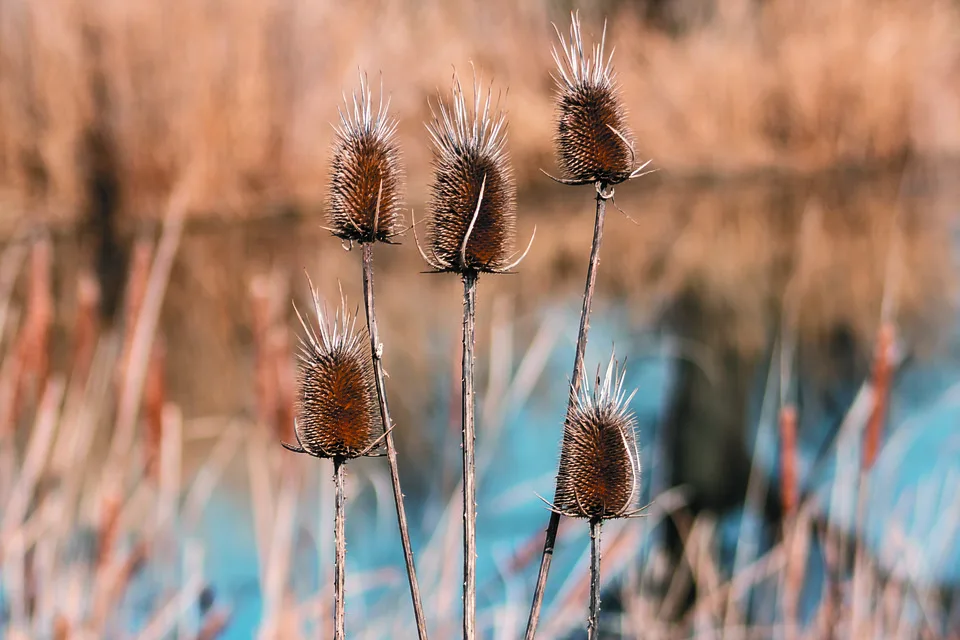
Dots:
{"x": 366, "y": 180}
{"x": 338, "y": 414}
{"x": 592, "y": 139}
{"x": 472, "y": 221}
{"x": 599, "y": 474}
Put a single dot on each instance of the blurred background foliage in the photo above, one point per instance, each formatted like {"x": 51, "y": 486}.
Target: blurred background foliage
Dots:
{"x": 805, "y": 199}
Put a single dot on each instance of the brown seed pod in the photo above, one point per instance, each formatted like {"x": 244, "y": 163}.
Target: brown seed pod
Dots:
{"x": 366, "y": 178}
{"x": 592, "y": 139}
{"x": 472, "y": 221}
{"x": 599, "y": 476}
{"x": 337, "y": 410}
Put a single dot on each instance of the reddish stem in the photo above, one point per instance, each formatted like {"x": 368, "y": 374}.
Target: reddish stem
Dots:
{"x": 882, "y": 375}
{"x": 788, "y": 459}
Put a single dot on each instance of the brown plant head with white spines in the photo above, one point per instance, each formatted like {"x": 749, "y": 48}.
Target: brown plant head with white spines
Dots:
{"x": 599, "y": 474}
{"x": 338, "y": 413}
{"x": 592, "y": 140}
{"x": 366, "y": 179}
{"x": 472, "y": 221}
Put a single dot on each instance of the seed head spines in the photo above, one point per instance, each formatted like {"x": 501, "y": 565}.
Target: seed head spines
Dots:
{"x": 337, "y": 410}
{"x": 366, "y": 182}
{"x": 592, "y": 139}
{"x": 599, "y": 470}
{"x": 472, "y": 221}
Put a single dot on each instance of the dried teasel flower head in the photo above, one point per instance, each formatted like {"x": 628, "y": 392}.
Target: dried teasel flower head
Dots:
{"x": 472, "y": 222}
{"x": 337, "y": 411}
{"x": 599, "y": 475}
{"x": 366, "y": 178}
{"x": 592, "y": 139}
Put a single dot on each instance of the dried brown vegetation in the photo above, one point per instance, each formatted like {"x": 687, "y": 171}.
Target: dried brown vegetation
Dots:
{"x": 599, "y": 471}
{"x": 850, "y": 239}
{"x": 796, "y": 86}
{"x": 592, "y": 139}
{"x": 593, "y": 147}
{"x": 365, "y": 175}
{"x": 734, "y": 247}
{"x": 338, "y": 414}
{"x": 242, "y": 101}
{"x": 472, "y": 225}
{"x": 240, "y": 109}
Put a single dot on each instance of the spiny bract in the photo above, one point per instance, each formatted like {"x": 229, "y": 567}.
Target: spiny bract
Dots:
{"x": 473, "y": 196}
{"x": 337, "y": 414}
{"x": 366, "y": 178}
{"x": 599, "y": 475}
{"x": 592, "y": 139}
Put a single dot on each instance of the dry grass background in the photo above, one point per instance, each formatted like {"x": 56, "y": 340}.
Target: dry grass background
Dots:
{"x": 237, "y": 96}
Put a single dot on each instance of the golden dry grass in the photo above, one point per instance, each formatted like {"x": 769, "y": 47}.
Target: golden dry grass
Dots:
{"x": 237, "y": 97}
{"x": 798, "y": 85}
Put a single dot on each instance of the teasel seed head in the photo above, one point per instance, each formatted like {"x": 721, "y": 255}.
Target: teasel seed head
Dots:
{"x": 592, "y": 140}
{"x": 599, "y": 475}
{"x": 337, "y": 410}
{"x": 472, "y": 221}
{"x": 366, "y": 177}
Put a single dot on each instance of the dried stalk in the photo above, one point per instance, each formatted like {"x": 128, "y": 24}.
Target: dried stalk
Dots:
{"x": 341, "y": 551}
{"x": 789, "y": 499}
{"x": 143, "y": 332}
{"x": 882, "y": 378}
{"x": 469, "y": 468}
{"x": 376, "y": 349}
{"x": 593, "y": 629}
{"x": 551, "y": 535}
{"x": 789, "y": 487}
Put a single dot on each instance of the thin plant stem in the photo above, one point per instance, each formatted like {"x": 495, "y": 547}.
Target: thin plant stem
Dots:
{"x": 882, "y": 372}
{"x": 377, "y": 351}
{"x": 469, "y": 468}
{"x": 791, "y": 524}
{"x": 340, "y": 558}
{"x": 128, "y": 405}
{"x": 550, "y": 539}
{"x": 593, "y": 620}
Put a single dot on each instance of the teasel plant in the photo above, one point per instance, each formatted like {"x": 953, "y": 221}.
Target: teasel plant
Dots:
{"x": 364, "y": 206}
{"x": 470, "y": 229}
{"x": 599, "y": 474}
{"x": 337, "y": 413}
{"x": 593, "y": 146}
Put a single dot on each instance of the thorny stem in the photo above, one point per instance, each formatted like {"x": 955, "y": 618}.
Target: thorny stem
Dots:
{"x": 469, "y": 468}
{"x": 551, "y": 536}
{"x": 341, "y": 550}
{"x": 376, "y": 350}
{"x": 593, "y": 620}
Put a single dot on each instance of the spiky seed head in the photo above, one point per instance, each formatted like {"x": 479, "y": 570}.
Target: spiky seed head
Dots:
{"x": 472, "y": 222}
{"x": 337, "y": 410}
{"x": 599, "y": 476}
{"x": 366, "y": 178}
{"x": 592, "y": 139}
